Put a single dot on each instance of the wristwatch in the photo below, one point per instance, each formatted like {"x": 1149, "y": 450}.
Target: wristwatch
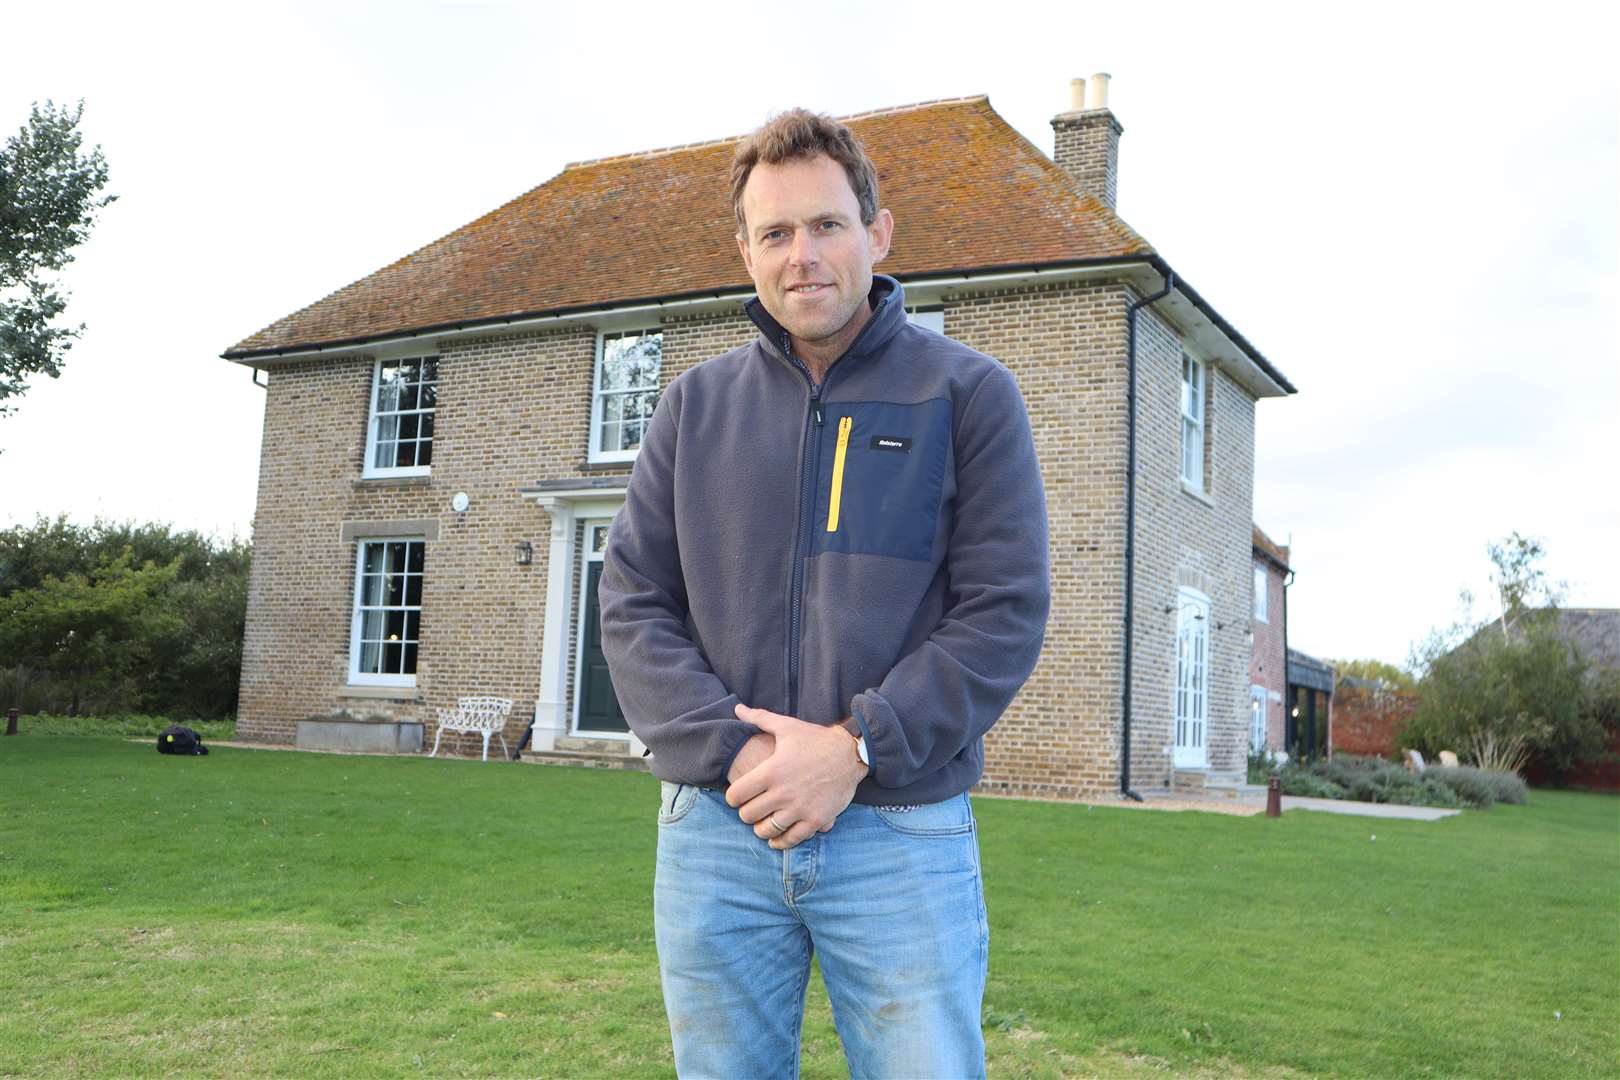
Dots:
{"x": 853, "y": 726}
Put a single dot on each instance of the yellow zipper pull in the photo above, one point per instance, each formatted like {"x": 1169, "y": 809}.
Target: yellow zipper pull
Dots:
{"x": 844, "y": 424}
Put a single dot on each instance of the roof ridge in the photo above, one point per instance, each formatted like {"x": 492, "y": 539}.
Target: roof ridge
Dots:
{"x": 704, "y": 143}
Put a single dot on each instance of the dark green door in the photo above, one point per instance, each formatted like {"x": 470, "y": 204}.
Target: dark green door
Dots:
{"x": 598, "y": 705}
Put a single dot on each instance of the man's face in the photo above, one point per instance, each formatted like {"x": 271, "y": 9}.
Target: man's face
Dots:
{"x": 806, "y": 249}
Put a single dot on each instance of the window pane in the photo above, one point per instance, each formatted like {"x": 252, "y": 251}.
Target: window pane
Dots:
{"x": 409, "y": 666}
{"x": 424, "y": 453}
{"x": 429, "y": 396}
{"x": 396, "y": 556}
{"x": 413, "y": 626}
{"x": 370, "y": 657}
{"x": 414, "y": 564}
{"x": 409, "y": 371}
{"x": 374, "y": 559}
{"x": 394, "y": 591}
{"x": 640, "y": 404}
{"x": 404, "y": 455}
{"x": 610, "y": 437}
{"x": 407, "y": 427}
{"x": 612, "y": 408}
{"x": 394, "y": 625}
{"x": 630, "y": 436}
{"x": 407, "y": 396}
{"x": 371, "y": 626}
{"x": 371, "y": 590}
{"x": 388, "y": 391}
{"x": 430, "y": 369}
{"x": 393, "y": 656}
{"x": 413, "y": 591}
{"x": 424, "y": 427}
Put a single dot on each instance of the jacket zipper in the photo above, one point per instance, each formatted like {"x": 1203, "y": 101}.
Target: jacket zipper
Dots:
{"x": 807, "y": 475}
{"x": 837, "y": 495}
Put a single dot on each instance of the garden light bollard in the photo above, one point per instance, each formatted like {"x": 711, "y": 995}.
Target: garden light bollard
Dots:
{"x": 1274, "y": 797}
{"x": 11, "y": 721}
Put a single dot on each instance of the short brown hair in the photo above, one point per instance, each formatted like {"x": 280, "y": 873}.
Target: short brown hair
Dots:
{"x": 798, "y": 134}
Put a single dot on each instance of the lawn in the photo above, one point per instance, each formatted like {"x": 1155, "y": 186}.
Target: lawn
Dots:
{"x": 264, "y": 912}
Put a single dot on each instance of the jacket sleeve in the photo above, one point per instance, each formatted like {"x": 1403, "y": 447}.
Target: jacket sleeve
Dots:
{"x": 944, "y": 695}
{"x": 671, "y": 698}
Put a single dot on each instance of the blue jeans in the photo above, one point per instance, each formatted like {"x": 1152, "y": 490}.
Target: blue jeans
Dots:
{"x": 891, "y": 902}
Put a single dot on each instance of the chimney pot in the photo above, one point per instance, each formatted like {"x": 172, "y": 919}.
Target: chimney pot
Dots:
{"x": 1099, "y": 90}
{"x": 1077, "y": 94}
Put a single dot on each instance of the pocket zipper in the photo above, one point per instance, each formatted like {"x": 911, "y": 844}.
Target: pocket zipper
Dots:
{"x": 844, "y": 424}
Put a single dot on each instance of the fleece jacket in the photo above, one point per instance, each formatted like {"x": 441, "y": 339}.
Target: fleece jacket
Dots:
{"x": 873, "y": 546}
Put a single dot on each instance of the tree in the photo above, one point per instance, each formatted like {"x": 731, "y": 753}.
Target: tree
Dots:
{"x": 117, "y": 617}
{"x": 1511, "y": 687}
{"x": 48, "y": 201}
{"x": 1393, "y": 677}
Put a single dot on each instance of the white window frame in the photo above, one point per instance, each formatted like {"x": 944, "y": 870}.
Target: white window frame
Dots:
{"x": 1257, "y": 718}
{"x": 357, "y": 612}
{"x": 1189, "y": 703}
{"x": 594, "y": 453}
{"x": 368, "y": 470}
{"x": 1194, "y": 409}
{"x": 1262, "y": 585}
{"x": 927, "y": 316}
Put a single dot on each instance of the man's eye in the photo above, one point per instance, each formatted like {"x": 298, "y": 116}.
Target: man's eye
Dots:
{"x": 829, "y": 225}
{"x": 774, "y": 234}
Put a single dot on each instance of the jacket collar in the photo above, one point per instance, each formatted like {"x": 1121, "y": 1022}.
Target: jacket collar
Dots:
{"x": 888, "y": 302}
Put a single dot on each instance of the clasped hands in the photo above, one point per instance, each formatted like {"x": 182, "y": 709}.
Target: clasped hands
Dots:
{"x": 803, "y": 774}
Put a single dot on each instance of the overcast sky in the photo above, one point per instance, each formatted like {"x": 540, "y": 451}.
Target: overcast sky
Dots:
{"x": 1413, "y": 211}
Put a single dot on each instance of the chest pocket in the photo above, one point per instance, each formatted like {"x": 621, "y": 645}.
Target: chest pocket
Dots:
{"x": 880, "y": 477}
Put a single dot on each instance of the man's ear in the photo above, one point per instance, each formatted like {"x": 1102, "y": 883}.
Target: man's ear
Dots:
{"x": 747, "y": 255}
{"x": 880, "y": 232}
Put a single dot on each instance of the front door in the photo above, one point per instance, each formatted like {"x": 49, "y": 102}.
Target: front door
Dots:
{"x": 598, "y": 704}
{"x": 1192, "y": 680}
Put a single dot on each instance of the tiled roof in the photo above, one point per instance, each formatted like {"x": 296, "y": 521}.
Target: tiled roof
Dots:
{"x": 1270, "y": 548}
{"x": 966, "y": 190}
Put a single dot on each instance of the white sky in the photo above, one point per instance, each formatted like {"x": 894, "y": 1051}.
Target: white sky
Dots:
{"x": 1412, "y": 210}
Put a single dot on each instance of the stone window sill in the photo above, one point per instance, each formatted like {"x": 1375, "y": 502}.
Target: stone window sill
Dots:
{"x": 389, "y": 693}
{"x": 1201, "y": 496}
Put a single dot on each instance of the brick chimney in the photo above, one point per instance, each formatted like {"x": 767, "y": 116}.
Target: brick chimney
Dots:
{"x": 1087, "y": 139}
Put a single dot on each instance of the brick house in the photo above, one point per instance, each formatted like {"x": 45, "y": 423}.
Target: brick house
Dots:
{"x": 446, "y": 442}
{"x": 1268, "y": 657}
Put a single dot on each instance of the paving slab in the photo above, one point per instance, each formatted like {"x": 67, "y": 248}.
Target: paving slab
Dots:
{"x": 1367, "y": 809}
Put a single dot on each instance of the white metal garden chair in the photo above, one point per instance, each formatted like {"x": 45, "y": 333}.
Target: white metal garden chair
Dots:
{"x": 477, "y": 715}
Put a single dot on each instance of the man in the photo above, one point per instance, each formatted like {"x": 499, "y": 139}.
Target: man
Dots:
{"x": 827, "y": 582}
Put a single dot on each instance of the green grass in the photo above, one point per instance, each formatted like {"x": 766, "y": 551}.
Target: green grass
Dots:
{"x": 260, "y": 912}
{"x": 133, "y": 725}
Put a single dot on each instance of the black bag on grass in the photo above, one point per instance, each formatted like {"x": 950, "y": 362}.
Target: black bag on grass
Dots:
{"x": 179, "y": 739}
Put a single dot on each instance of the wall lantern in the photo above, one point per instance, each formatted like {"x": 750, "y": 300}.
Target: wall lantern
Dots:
{"x": 525, "y": 553}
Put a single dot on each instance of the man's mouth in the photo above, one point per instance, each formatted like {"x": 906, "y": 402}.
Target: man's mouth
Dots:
{"x": 808, "y": 288}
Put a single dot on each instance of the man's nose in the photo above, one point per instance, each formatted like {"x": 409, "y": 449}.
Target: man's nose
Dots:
{"x": 803, "y": 251}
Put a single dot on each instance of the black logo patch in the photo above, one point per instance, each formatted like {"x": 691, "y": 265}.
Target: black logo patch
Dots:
{"x": 891, "y": 442}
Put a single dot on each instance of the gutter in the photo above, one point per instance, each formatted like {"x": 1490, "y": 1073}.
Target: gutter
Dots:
{"x": 1130, "y": 528}
{"x": 966, "y": 276}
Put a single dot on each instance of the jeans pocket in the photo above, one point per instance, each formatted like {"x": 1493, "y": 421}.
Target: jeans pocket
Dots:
{"x": 674, "y": 801}
{"x": 949, "y": 817}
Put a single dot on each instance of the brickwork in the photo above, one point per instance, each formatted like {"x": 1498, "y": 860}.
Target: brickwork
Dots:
{"x": 1186, "y": 539}
{"x": 1086, "y": 145}
{"x": 1267, "y": 661}
{"x": 515, "y": 409}
{"x": 1369, "y": 721}
{"x": 1065, "y": 346}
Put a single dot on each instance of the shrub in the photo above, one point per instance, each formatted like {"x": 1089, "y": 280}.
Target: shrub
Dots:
{"x": 1308, "y": 785}
{"x": 1482, "y": 787}
{"x": 1261, "y": 766}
